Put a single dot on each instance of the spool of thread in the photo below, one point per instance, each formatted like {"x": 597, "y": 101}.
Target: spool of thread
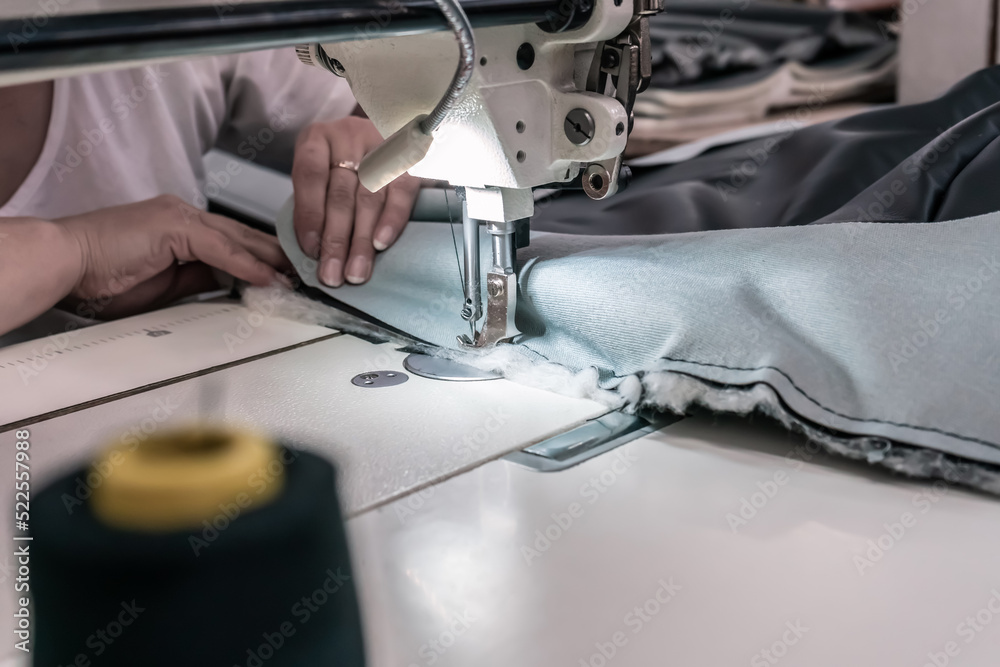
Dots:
{"x": 200, "y": 547}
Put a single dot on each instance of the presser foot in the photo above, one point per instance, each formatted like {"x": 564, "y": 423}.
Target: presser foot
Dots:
{"x": 501, "y": 302}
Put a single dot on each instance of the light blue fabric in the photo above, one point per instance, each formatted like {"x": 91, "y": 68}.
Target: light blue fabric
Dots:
{"x": 888, "y": 331}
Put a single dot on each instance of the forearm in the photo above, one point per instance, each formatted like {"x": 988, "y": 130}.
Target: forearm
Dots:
{"x": 40, "y": 264}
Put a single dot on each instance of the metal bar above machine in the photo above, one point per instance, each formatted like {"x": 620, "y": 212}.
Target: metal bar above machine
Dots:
{"x": 186, "y": 28}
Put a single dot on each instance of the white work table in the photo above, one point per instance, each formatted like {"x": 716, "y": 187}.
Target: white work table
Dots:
{"x": 800, "y": 579}
{"x": 645, "y": 555}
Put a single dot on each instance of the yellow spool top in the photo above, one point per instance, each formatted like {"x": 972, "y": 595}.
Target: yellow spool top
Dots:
{"x": 180, "y": 479}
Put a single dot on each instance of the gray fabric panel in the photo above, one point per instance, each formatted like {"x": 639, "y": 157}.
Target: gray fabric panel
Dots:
{"x": 881, "y": 330}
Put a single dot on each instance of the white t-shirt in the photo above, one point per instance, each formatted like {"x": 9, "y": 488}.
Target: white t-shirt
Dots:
{"x": 125, "y": 136}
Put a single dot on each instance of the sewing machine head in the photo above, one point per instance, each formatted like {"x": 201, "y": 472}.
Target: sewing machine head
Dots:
{"x": 529, "y": 105}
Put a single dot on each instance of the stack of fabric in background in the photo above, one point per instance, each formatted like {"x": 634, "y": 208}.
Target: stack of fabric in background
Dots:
{"x": 722, "y": 64}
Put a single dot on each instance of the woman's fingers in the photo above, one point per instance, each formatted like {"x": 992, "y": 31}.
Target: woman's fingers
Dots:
{"x": 201, "y": 243}
{"x": 337, "y": 231}
{"x": 400, "y": 198}
{"x": 311, "y": 177}
{"x": 263, "y": 246}
{"x": 367, "y": 212}
{"x": 336, "y": 221}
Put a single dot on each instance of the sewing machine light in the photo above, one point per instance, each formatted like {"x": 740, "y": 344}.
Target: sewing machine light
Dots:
{"x": 394, "y": 157}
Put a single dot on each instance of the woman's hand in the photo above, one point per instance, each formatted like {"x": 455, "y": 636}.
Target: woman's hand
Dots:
{"x": 146, "y": 255}
{"x": 337, "y": 220}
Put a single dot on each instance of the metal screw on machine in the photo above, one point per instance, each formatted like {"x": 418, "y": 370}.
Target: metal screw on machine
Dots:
{"x": 596, "y": 181}
{"x": 579, "y": 126}
{"x": 377, "y": 379}
{"x": 495, "y": 288}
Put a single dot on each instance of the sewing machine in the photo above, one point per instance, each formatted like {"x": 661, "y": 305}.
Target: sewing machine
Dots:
{"x": 467, "y": 556}
{"x": 494, "y": 112}
{"x": 529, "y": 105}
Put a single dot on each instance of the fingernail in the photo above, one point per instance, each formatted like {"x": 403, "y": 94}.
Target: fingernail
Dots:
{"x": 330, "y": 273}
{"x": 312, "y": 244}
{"x": 383, "y": 238}
{"x": 284, "y": 280}
{"x": 357, "y": 270}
